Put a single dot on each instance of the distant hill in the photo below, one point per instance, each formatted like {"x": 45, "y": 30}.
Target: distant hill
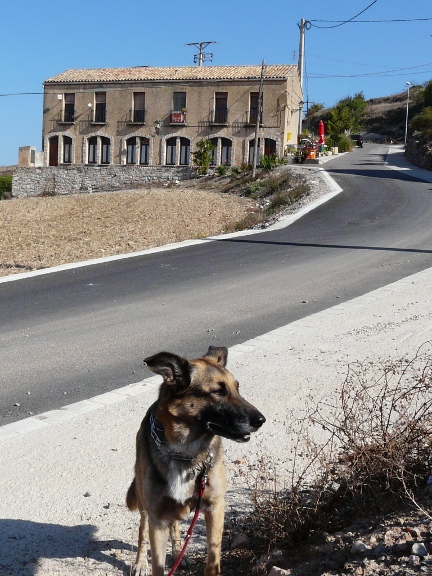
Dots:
{"x": 384, "y": 117}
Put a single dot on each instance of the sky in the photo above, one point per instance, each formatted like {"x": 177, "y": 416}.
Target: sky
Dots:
{"x": 42, "y": 39}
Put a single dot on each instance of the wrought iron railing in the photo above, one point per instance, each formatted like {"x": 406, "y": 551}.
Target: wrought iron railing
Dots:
{"x": 220, "y": 116}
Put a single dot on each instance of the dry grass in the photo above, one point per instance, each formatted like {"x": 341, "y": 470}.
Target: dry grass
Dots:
{"x": 43, "y": 232}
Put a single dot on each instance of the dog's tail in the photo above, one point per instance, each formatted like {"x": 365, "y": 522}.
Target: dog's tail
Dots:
{"x": 131, "y": 496}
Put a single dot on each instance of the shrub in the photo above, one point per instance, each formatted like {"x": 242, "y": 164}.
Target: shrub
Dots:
{"x": 5, "y": 187}
{"x": 268, "y": 163}
{"x": 375, "y": 454}
{"x": 235, "y": 170}
{"x": 222, "y": 170}
{"x": 345, "y": 144}
{"x": 203, "y": 156}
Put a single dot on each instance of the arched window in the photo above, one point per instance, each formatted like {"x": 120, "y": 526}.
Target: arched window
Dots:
{"x": 251, "y": 150}
{"x": 53, "y": 150}
{"x": 184, "y": 151}
{"x": 67, "y": 150}
{"x": 131, "y": 151}
{"x": 226, "y": 152}
{"x": 269, "y": 146}
{"x": 171, "y": 152}
{"x": 144, "y": 150}
{"x": 92, "y": 150}
{"x": 214, "y": 141}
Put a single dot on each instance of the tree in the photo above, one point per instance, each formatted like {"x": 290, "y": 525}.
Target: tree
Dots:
{"x": 203, "y": 156}
{"x": 346, "y": 116}
{"x": 427, "y": 94}
{"x": 314, "y": 108}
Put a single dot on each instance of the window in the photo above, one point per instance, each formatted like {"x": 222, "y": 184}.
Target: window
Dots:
{"x": 171, "y": 151}
{"x": 144, "y": 150}
{"x": 106, "y": 150}
{"x": 67, "y": 150}
{"x": 179, "y": 101}
{"x": 53, "y": 150}
{"x": 221, "y": 108}
{"x": 214, "y": 141}
{"x": 184, "y": 151}
{"x": 92, "y": 150}
{"x": 69, "y": 108}
{"x": 253, "y": 109}
{"x": 100, "y": 111}
{"x": 226, "y": 152}
{"x": 251, "y": 150}
{"x": 269, "y": 146}
{"x": 131, "y": 151}
{"x": 138, "y": 107}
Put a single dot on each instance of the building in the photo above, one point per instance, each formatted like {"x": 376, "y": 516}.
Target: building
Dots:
{"x": 155, "y": 116}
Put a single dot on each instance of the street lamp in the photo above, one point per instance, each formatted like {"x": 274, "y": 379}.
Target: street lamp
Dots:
{"x": 408, "y": 84}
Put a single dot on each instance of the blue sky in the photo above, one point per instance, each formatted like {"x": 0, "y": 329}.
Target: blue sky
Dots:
{"x": 42, "y": 39}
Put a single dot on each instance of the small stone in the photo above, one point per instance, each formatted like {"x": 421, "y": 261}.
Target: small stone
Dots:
{"x": 17, "y": 404}
{"x": 419, "y": 549}
{"x": 275, "y": 571}
{"x": 413, "y": 560}
{"x": 358, "y": 547}
{"x": 240, "y": 541}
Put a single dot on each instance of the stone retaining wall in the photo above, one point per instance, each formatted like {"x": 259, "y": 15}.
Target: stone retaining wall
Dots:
{"x": 61, "y": 180}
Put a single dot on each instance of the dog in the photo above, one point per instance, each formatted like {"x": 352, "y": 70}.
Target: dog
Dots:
{"x": 179, "y": 442}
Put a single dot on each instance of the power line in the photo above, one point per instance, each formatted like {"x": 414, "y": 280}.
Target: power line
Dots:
{"x": 345, "y": 21}
{"x": 370, "y": 21}
{"x": 21, "y": 94}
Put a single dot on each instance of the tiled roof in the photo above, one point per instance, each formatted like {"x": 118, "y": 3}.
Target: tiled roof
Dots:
{"x": 148, "y": 73}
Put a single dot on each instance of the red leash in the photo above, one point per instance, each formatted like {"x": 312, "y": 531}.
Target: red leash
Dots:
{"x": 192, "y": 526}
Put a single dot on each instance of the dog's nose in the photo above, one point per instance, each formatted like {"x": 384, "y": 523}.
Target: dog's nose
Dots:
{"x": 258, "y": 420}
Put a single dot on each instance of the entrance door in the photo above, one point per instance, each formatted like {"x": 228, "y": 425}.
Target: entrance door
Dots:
{"x": 53, "y": 151}
{"x": 269, "y": 146}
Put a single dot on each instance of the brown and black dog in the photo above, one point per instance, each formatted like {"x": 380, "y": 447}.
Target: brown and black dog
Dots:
{"x": 179, "y": 438}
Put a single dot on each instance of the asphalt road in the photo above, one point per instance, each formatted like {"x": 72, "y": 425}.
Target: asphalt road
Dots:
{"x": 71, "y": 335}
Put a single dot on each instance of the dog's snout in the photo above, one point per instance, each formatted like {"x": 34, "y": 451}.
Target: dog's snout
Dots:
{"x": 257, "y": 420}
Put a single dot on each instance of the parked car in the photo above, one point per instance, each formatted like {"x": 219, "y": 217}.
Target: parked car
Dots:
{"x": 357, "y": 139}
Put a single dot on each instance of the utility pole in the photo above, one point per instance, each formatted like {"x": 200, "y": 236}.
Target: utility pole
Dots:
{"x": 259, "y": 113}
{"x": 202, "y": 56}
{"x": 304, "y": 25}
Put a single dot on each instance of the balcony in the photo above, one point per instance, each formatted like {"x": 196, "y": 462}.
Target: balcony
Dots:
{"x": 252, "y": 117}
{"x": 67, "y": 117}
{"x": 98, "y": 116}
{"x": 219, "y": 117}
{"x": 177, "y": 117}
{"x": 136, "y": 117}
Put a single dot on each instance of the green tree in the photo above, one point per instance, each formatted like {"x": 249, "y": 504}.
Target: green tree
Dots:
{"x": 314, "y": 108}
{"x": 346, "y": 116}
{"x": 202, "y": 158}
{"x": 427, "y": 94}
{"x": 5, "y": 187}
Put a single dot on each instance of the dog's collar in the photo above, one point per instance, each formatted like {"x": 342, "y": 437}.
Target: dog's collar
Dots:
{"x": 158, "y": 435}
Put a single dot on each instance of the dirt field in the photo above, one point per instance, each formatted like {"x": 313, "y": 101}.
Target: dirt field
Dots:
{"x": 43, "y": 232}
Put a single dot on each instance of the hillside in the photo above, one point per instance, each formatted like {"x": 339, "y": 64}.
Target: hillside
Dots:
{"x": 384, "y": 117}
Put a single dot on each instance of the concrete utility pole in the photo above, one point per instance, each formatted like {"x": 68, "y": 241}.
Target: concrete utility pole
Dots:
{"x": 304, "y": 25}
{"x": 257, "y": 126}
{"x": 202, "y": 56}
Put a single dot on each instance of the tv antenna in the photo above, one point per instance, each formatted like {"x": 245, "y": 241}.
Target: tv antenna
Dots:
{"x": 202, "y": 56}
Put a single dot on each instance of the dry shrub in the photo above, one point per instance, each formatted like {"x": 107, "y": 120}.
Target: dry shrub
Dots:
{"x": 374, "y": 455}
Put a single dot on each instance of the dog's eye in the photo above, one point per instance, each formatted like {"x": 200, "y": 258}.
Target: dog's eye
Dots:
{"x": 221, "y": 391}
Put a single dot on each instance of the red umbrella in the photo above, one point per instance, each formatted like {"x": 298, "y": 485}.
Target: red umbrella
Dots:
{"x": 321, "y": 132}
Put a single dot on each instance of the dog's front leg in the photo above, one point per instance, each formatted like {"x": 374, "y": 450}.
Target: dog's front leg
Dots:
{"x": 214, "y": 519}
{"x": 141, "y": 563}
{"x": 158, "y": 542}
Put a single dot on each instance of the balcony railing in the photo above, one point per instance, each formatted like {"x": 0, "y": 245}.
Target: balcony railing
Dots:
{"x": 177, "y": 117}
{"x": 67, "y": 117}
{"x": 219, "y": 116}
{"x": 99, "y": 116}
{"x": 136, "y": 117}
{"x": 252, "y": 116}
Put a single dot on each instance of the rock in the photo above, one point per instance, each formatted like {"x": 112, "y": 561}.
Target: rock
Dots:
{"x": 413, "y": 560}
{"x": 419, "y": 549}
{"x": 240, "y": 541}
{"x": 275, "y": 571}
{"x": 358, "y": 547}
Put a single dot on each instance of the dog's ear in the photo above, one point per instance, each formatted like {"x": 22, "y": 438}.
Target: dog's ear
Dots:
{"x": 175, "y": 370}
{"x": 219, "y": 354}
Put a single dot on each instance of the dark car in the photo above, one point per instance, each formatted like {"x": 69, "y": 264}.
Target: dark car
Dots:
{"x": 358, "y": 139}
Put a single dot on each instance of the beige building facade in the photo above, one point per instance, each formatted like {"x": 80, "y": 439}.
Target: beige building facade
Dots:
{"x": 156, "y": 116}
